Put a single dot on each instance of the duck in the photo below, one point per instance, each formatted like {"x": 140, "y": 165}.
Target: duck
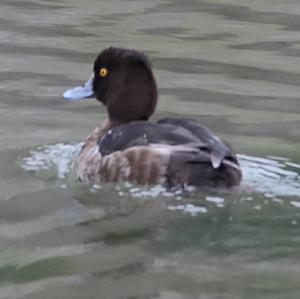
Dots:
{"x": 127, "y": 146}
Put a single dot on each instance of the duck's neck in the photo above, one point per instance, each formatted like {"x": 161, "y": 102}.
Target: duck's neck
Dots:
{"x": 100, "y": 131}
{"x": 108, "y": 124}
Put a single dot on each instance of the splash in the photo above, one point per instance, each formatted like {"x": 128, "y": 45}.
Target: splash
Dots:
{"x": 189, "y": 208}
{"x": 273, "y": 176}
{"x": 152, "y": 192}
{"x": 59, "y": 157}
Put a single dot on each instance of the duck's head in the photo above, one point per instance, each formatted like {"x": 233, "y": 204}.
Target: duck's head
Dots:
{"x": 123, "y": 81}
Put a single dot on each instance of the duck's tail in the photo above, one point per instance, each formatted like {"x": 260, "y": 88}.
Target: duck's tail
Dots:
{"x": 196, "y": 169}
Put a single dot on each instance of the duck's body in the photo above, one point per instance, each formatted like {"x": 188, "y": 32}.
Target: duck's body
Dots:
{"x": 130, "y": 148}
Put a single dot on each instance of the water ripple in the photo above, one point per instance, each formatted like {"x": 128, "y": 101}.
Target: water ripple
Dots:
{"x": 273, "y": 176}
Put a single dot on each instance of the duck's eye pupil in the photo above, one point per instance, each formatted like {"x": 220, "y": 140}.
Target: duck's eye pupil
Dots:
{"x": 103, "y": 72}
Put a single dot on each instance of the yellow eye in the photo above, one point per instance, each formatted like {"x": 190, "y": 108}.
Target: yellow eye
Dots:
{"x": 103, "y": 72}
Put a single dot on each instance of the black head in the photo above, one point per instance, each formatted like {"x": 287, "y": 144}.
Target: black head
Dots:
{"x": 124, "y": 83}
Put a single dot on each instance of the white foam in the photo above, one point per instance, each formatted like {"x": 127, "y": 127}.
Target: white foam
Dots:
{"x": 218, "y": 201}
{"x": 59, "y": 156}
{"x": 152, "y": 192}
{"x": 188, "y": 208}
{"x": 215, "y": 199}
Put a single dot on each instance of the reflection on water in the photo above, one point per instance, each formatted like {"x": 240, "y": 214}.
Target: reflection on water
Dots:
{"x": 234, "y": 66}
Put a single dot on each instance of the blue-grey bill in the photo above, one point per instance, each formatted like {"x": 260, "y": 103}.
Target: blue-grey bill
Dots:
{"x": 80, "y": 92}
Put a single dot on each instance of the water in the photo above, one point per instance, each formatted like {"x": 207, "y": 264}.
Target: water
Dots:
{"x": 234, "y": 65}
